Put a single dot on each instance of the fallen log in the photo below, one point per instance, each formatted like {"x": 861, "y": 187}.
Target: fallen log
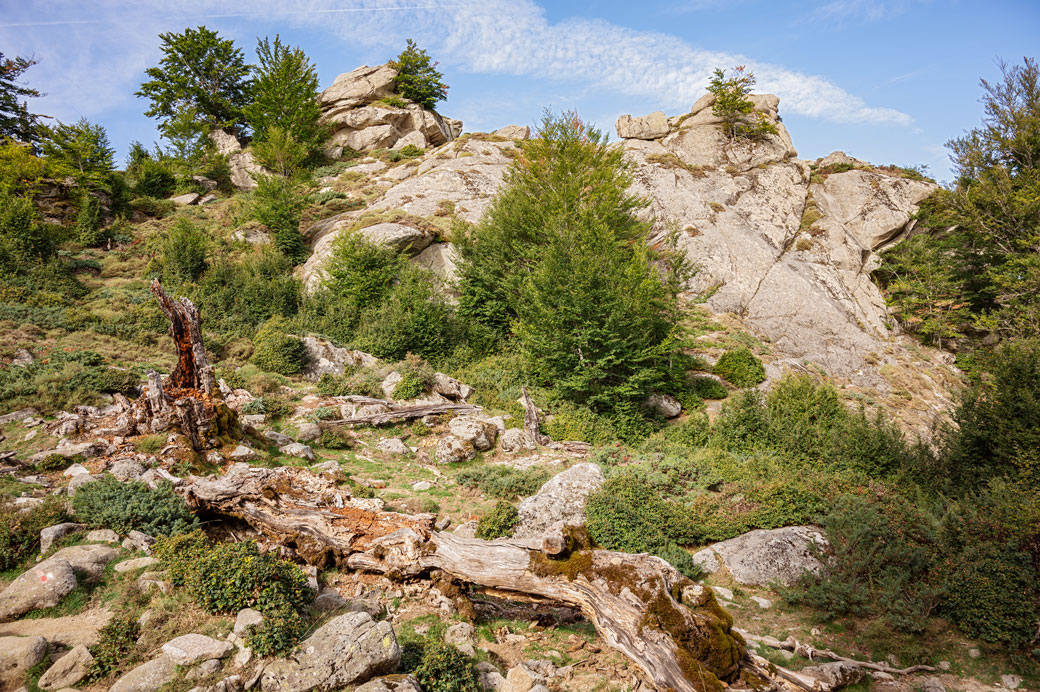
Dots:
{"x": 670, "y": 627}
{"x": 404, "y": 413}
{"x": 810, "y": 652}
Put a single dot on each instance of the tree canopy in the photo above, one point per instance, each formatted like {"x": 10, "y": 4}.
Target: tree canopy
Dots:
{"x": 285, "y": 94}
{"x": 417, "y": 77}
{"x": 16, "y": 121}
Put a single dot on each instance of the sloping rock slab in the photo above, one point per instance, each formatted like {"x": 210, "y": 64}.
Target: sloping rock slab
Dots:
{"x": 561, "y": 499}
{"x": 775, "y": 555}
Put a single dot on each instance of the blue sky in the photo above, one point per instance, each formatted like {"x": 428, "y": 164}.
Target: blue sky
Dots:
{"x": 889, "y": 81}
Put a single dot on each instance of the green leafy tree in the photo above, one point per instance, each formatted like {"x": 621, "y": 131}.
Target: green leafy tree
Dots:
{"x": 184, "y": 253}
{"x": 285, "y": 96}
{"x": 84, "y": 147}
{"x": 733, "y": 106}
{"x": 277, "y": 205}
{"x": 417, "y": 77}
{"x": 561, "y": 259}
{"x": 16, "y": 121}
{"x": 280, "y": 152}
{"x": 202, "y": 74}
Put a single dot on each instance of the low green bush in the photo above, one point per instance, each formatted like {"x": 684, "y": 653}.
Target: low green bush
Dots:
{"x": 153, "y": 179}
{"x": 417, "y": 376}
{"x": 503, "y": 481}
{"x": 123, "y": 507}
{"x": 443, "y": 668}
{"x": 115, "y": 641}
{"x": 276, "y": 351}
{"x": 740, "y": 367}
{"x": 184, "y": 253}
{"x": 20, "y": 531}
{"x": 282, "y": 628}
{"x": 573, "y": 422}
{"x": 499, "y": 522}
{"x": 709, "y": 388}
{"x": 629, "y": 515}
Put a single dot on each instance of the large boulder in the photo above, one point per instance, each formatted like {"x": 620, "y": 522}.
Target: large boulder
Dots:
{"x": 764, "y": 556}
{"x": 88, "y": 561}
{"x": 653, "y": 126}
{"x": 454, "y": 450}
{"x": 67, "y": 670}
{"x": 479, "y": 432}
{"x": 398, "y": 236}
{"x": 189, "y": 649}
{"x": 347, "y": 650}
{"x": 358, "y": 87}
{"x": 322, "y": 357}
{"x": 147, "y": 677}
{"x": 17, "y": 656}
{"x": 560, "y": 501}
{"x": 42, "y": 586}
{"x": 52, "y": 533}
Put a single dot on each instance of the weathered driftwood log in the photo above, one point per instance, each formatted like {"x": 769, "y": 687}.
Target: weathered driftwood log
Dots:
{"x": 190, "y": 400}
{"x": 404, "y": 413}
{"x": 670, "y": 627}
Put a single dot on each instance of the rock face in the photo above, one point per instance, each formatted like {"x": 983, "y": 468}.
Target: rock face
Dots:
{"x": 322, "y": 357}
{"x": 347, "y": 650}
{"x": 653, "y": 126}
{"x": 763, "y": 556}
{"x": 357, "y": 108}
{"x": 560, "y": 501}
{"x": 243, "y": 167}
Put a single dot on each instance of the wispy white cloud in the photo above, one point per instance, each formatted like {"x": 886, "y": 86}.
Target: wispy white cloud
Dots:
{"x": 863, "y": 10}
{"x": 88, "y": 68}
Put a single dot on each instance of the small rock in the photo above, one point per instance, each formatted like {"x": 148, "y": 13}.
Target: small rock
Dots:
{"x": 253, "y": 420}
{"x": 460, "y": 633}
{"x": 74, "y": 470}
{"x": 278, "y": 438}
{"x": 246, "y": 618}
{"x": 145, "y": 618}
{"x": 308, "y": 432}
{"x": 23, "y": 358}
{"x": 126, "y": 470}
{"x": 393, "y": 445}
{"x": 67, "y": 670}
{"x": 392, "y": 683}
{"x": 478, "y": 432}
{"x": 88, "y": 561}
{"x": 466, "y": 530}
{"x": 328, "y": 601}
{"x": 1011, "y": 681}
{"x": 706, "y": 560}
{"x": 944, "y": 665}
{"x": 452, "y": 450}
{"x": 836, "y": 674}
{"x": 137, "y": 540}
{"x": 514, "y": 440}
{"x": 442, "y": 523}
{"x": 933, "y": 685}
{"x": 185, "y": 199}
{"x": 153, "y": 580}
{"x": 43, "y": 586}
{"x": 243, "y": 453}
{"x": 102, "y": 536}
{"x": 763, "y": 603}
{"x": 17, "y": 656}
{"x": 974, "y": 653}
{"x": 299, "y": 450}
{"x": 189, "y": 649}
{"x": 513, "y": 132}
{"x": 52, "y": 533}
{"x": 420, "y": 486}
{"x": 78, "y": 481}
{"x": 136, "y": 563}
{"x": 665, "y": 404}
{"x": 723, "y": 592}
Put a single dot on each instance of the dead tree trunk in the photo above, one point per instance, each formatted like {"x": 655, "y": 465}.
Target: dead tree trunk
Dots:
{"x": 670, "y": 627}
{"x": 190, "y": 401}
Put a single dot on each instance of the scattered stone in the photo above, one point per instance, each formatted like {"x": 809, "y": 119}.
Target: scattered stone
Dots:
{"x": 243, "y": 453}
{"x": 205, "y": 669}
{"x": 452, "y": 450}
{"x": 322, "y": 357}
{"x": 513, "y": 132}
{"x": 393, "y": 445}
{"x": 460, "y": 633}
{"x": 126, "y": 470}
{"x": 254, "y": 420}
{"x": 102, "y": 536}
{"x": 392, "y": 683}
{"x": 186, "y": 199}
{"x": 83, "y": 449}
{"x": 246, "y": 618}
{"x": 442, "y": 523}
{"x": 763, "y": 556}
{"x": 420, "y": 486}
{"x": 136, "y": 563}
{"x": 52, "y": 533}
{"x": 67, "y": 670}
{"x": 17, "y": 656}
{"x": 74, "y": 470}
{"x": 328, "y": 601}
{"x": 23, "y": 358}
{"x": 514, "y": 440}
{"x": 43, "y": 586}
{"x": 190, "y": 649}
{"x": 344, "y": 651}
{"x": 466, "y": 530}
{"x": 19, "y": 415}
{"x": 665, "y": 404}
{"x": 479, "y": 432}
{"x": 78, "y": 481}
{"x": 561, "y": 499}
{"x": 449, "y": 386}
{"x": 137, "y": 540}
{"x": 88, "y": 561}
{"x": 367, "y": 604}
{"x": 1009, "y": 681}
{"x": 836, "y": 674}
{"x": 763, "y": 603}
{"x": 974, "y": 653}
{"x": 147, "y": 677}
{"x": 278, "y": 438}
{"x": 706, "y": 560}
{"x": 299, "y": 450}
{"x": 308, "y": 432}
{"x": 933, "y": 685}
{"x": 723, "y": 592}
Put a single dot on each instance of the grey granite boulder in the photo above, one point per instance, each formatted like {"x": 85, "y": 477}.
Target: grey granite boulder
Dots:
{"x": 147, "y": 677}
{"x": 764, "y": 556}
{"x": 42, "y": 586}
{"x": 561, "y": 500}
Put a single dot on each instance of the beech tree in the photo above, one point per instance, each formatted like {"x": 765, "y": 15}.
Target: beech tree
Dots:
{"x": 199, "y": 72}
{"x": 83, "y": 146}
{"x": 732, "y": 104}
{"x": 285, "y": 95}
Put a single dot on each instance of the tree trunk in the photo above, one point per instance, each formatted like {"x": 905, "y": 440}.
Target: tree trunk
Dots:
{"x": 670, "y": 627}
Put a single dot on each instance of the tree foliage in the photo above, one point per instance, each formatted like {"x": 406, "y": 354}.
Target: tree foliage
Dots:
{"x": 733, "y": 106}
{"x": 417, "y": 77}
{"x": 199, "y": 74}
{"x": 285, "y": 95}
{"x": 16, "y": 121}
{"x": 84, "y": 147}
{"x": 561, "y": 260}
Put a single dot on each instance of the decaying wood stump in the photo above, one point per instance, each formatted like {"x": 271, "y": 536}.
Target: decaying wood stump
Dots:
{"x": 190, "y": 401}
{"x": 670, "y": 627}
